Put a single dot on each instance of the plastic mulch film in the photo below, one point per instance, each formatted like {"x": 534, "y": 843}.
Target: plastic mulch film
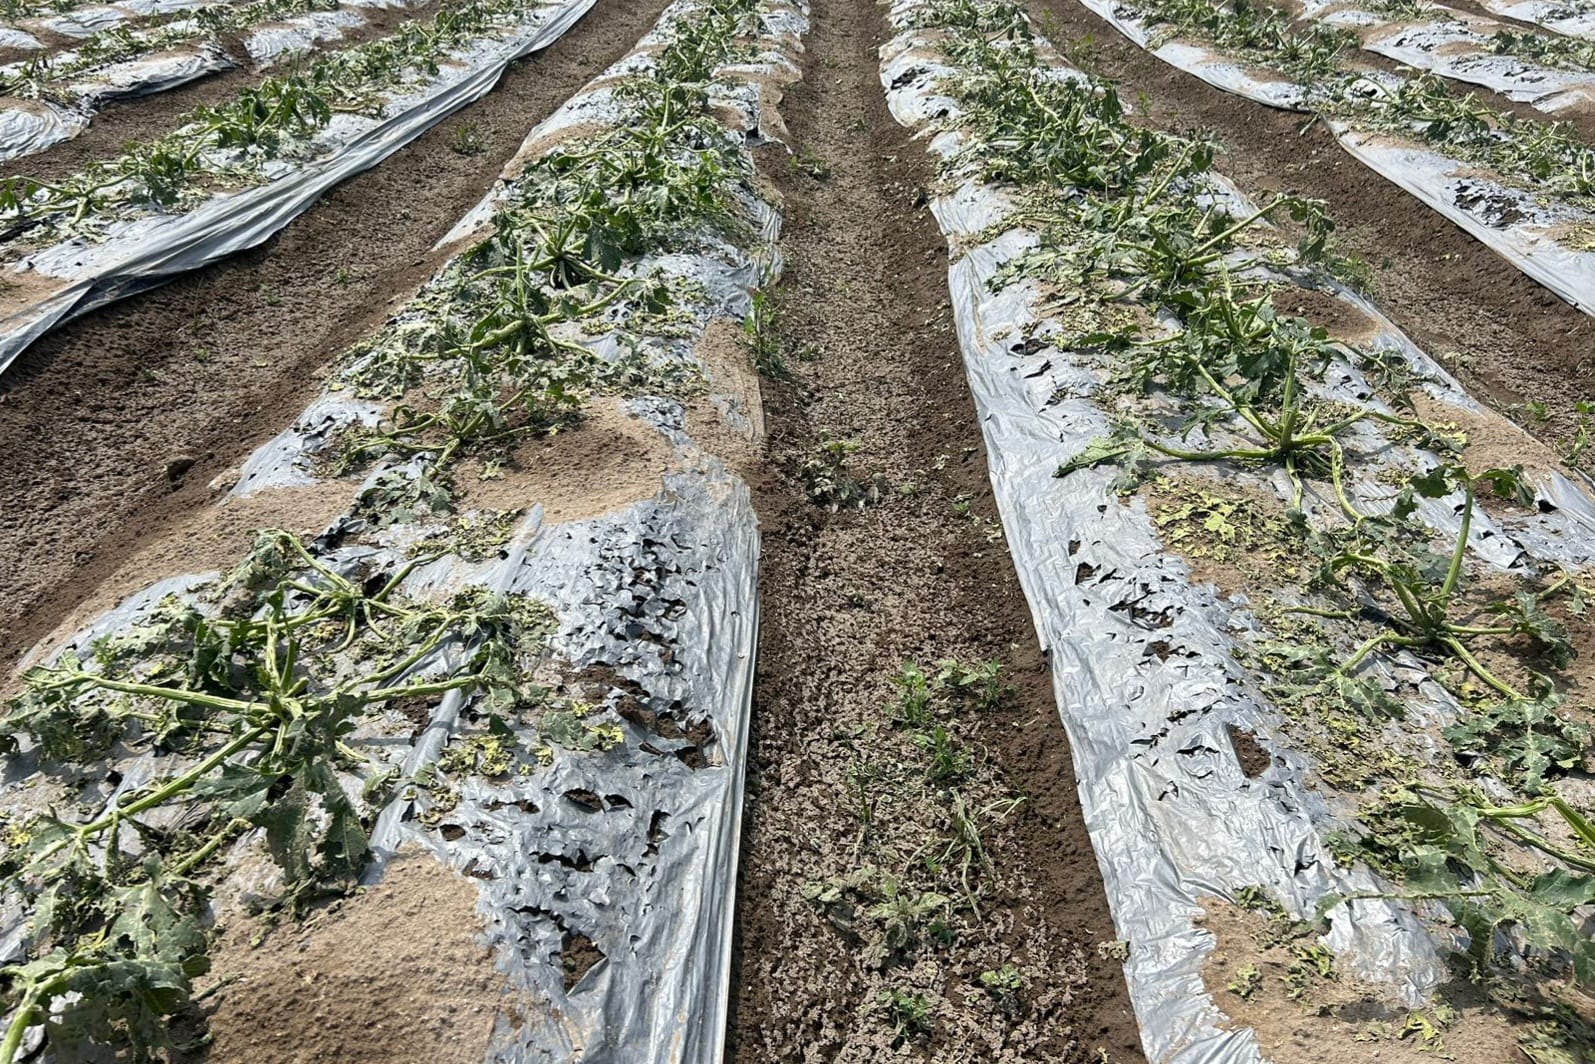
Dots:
{"x": 1569, "y": 19}
{"x": 89, "y": 19}
{"x": 134, "y": 254}
{"x": 1143, "y": 657}
{"x": 1459, "y": 45}
{"x": 1541, "y": 239}
{"x": 617, "y": 831}
{"x": 34, "y": 126}
{"x": 176, "y": 52}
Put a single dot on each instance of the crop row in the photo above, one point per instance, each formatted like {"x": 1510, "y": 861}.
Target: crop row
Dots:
{"x": 1244, "y": 429}
{"x": 232, "y": 174}
{"x": 259, "y": 709}
{"x": 230, "y": 145}
{"x": 1521, "y": 187}
{"x": 45, "y": 77}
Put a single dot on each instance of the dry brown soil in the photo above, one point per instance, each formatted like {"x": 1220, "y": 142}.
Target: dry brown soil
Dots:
{"x": 398, "y": 972}
{"x": 846, "y": 598}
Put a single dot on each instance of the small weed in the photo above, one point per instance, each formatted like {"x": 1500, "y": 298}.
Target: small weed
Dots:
{"x": 978, "y": 685}
{"x": 832, "y": 484}
{"x": 468, "y": 139}
{"x": 811, "y": 163}
{"x": 1082, "y": 52}
{"x": 907, "y": 918}
{"x": 912, "y": 709}
{"x": 1003, "y": 983}
{"x": 1246, "y": 982}
{"x": 1532, "y": 412}
{"x": 1576, "y": 454}
{"x": 911, "y": 1015}
{"x": 761, "y": 332}
{"x": 946, "y": 760}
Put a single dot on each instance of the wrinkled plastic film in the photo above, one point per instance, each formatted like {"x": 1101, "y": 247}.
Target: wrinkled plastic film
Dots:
{"x": 148, "y": 251}
{"x": 1515, "y": 224}
{"x": 1172, "y": 816}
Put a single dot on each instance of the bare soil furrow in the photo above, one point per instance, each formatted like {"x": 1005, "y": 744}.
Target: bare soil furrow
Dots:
{"x": 839, "y": 812}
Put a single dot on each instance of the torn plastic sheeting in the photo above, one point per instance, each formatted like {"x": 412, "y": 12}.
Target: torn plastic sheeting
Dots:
{"x": 1511, "y": 222}
{"x": 167, "y": 246}
{"x": 86, "y": 21}
{"x": 1566, "y": 19}
{"x": 1459, "y": 45}
{"x": 662, "y": 592}
{"x": 285, "y": 460}
{"x": 21, "y": 40}
{"x": 648, "y": 876}
{"x": 1561, "y": 527}
{"x": 175, "y": 65}
{"x": 91, "y": 19}
{"x": 1171, "y": 814}
{"x": 1460, "y": 52}
{"x": 267, "y": 44}
{"x": 1032, "y": 410}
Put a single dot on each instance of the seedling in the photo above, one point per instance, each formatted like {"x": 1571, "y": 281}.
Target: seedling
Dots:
{"x": 762, "y": 333}
{"x": 911, "y": 1014}
{"x": 1003, "y": 984}
{"x": 468, "y": 139}
{"x": 830, "y": 480}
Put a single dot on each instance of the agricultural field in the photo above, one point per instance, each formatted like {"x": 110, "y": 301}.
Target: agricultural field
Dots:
{"x": 797, "y": 530}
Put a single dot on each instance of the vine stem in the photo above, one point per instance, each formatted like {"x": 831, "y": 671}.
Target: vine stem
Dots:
{"x": 23, "y": 1018}
{"x": 1479, "y": 670}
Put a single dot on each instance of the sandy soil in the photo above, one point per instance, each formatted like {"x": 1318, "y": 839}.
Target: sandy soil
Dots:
{"x": 394, "y": 973}
{"x": 1261, "y": 976}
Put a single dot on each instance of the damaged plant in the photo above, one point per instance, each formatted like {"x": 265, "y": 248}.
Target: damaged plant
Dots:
{"x": 246, "y": 700}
